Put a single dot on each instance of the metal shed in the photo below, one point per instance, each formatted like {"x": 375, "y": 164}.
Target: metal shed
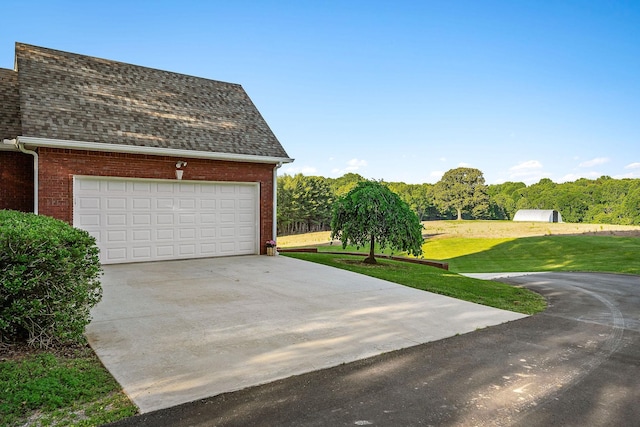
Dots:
{"x": 538, "y": 215}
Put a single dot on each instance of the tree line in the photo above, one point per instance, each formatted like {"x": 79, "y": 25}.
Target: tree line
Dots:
{"x": 305, "y": 202}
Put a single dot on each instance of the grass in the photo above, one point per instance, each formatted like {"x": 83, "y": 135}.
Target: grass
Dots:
{"x": 492, "y": 246}
{"x": 546, "y": 253}
{"x": 46, "y": 388}
{"x": 493, "y": 294}
{"x": 63, "y": 390}
{"x": 505, "y": 246}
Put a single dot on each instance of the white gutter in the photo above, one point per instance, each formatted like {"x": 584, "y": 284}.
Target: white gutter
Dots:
{"x": 153, "y": 151}
{"x": 20, "y": 146}
{"x": 274, "y": 232}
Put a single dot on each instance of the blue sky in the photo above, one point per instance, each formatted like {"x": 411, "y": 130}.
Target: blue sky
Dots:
{"x": 394, "y": 90}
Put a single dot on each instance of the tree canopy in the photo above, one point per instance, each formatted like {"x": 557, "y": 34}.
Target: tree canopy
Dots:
{"x": 371, "y": 213}
{"x": 305, "y": 202}
{"x": 462, "y": 189}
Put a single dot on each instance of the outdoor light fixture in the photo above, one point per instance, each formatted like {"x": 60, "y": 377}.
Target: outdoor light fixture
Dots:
{"x": 180, "y": 172}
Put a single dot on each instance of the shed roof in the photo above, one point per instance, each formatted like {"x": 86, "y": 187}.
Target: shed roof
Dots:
{"x": 66, "y": 96}
{"x": 537, "y": 215}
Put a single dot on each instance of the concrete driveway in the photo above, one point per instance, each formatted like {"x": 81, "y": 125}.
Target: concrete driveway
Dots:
{"x": 575, "y": 364}
{"x": 174, "y": 332}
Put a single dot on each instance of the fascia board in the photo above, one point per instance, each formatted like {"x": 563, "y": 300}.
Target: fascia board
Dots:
{"x": 152, "y": 151}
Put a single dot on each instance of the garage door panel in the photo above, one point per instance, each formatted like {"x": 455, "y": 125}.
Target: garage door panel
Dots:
{"x": 164, "y": 203}
{"x": 187, "y": 233}
{"x": 246, "y": 204}
{"x": 141, "y": 204}
{"x": 88, "y": 220}
{"x": 227, "y": 232}
{"x": 187, "y": 203}
{"x": 90, "y": 203}
{"x": 187, "y": 250}
{"x": 227, "y": 248}
{"x": 246, "y": 218}
{"x": 164, "y": 251}
{"x": 227, "y": 204}
{"x": 208, "y": 249}
{"x": 207, "y": 233}
{"x": 114, "y": 236}
{"x": 144, "y": 220}
{"x": 116, "y": 186}
{"x": 245, "y": 246}
{"x": 165, "y": 234}
{"x": 141, "y": 219}
{"x": 115, "y": 203}
{"x": 186, "y": 219}
{"x": 166, "y": 188}
{"x": 207, "y": 218}
{"x": 116, "y": 254}
{"x": 227, "y": 218}
{"x": 246, "y": 232}
{"x": 164, "y": 219}
{"x": 141, "y": 187}
{"x": 141, "y": 253}
{"x": 208, "y": 204}
{"x": 141, "y": 235}
{"x": 116, "y": 219}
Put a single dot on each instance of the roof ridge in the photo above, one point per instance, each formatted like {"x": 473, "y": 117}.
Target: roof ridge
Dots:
{"x": 112, "y": 61}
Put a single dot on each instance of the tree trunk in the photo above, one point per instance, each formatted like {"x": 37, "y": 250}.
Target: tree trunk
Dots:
{"x": 371, "y": 259}
{"x": 459, "y": 214}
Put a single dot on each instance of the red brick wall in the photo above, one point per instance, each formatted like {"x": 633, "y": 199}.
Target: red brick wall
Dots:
{"x": 16, "y": 181}
{"x": 57, "y": 168}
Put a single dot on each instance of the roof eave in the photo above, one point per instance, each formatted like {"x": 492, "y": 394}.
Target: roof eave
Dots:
{"x": 152, "y": 151}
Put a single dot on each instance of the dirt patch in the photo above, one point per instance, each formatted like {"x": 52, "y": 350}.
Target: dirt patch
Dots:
{"x": 484, "y": 229}
{"x": 18, "y": 351}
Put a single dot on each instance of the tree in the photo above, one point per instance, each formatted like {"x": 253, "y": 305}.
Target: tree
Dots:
{"x": 304, "y": 204}
{"x": 371, "y": 213}
{"x": 462, "y": 189}
{"x": 417, "y": 196}
{"x": 345, "y": 183}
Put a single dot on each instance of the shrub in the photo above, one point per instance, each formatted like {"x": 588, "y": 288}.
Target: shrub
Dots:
{"x": 49, "y": 280}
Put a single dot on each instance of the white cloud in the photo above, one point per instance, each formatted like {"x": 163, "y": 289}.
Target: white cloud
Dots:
{"x": 634, "y": 174}
{"x": 436, "y": 175}
{"x": 526, "y": 166}
{"x": 528, "y": 172}
{"x": 353, "y": 166}
{"x": 635, "y": 165}
{"x": 464, "y": 165}
{"x": 443, "y": 159}
{"x": 292, "y": 170}
{"x": 594, "y": 162}
{"x": 575, "y": 176}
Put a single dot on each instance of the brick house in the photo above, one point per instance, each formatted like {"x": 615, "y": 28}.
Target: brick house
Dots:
{"x": 155, "y": 165}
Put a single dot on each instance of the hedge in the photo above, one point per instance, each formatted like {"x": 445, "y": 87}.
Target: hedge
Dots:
{"x": 49, "y": 280}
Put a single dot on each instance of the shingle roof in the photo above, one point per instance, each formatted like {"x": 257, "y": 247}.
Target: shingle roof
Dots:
{"x": 67, "y": 96}
{"x": 9, "y": 104}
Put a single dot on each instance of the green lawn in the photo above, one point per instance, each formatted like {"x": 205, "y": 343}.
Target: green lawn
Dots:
{"x": 540, "y": 253}
{"x": 436, "y": 280}
{"x": 486, "y": 255}
{"x": 77, "y": 390}
{"x": 544, "y": 253}
{"x": 46, "y": 389}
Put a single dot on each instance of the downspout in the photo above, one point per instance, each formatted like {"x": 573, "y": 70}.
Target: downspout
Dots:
{"x": 274, "y": 232}
{"x": 20, "y": 146}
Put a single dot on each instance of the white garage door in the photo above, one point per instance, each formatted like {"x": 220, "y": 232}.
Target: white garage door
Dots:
{"x": 137, "y": 220}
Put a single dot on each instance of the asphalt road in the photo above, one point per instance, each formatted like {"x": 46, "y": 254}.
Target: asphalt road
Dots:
{"x": 576, "y": 364}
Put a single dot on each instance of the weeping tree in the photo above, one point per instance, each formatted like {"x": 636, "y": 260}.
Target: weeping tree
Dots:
{"x": 371, "y": 213}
